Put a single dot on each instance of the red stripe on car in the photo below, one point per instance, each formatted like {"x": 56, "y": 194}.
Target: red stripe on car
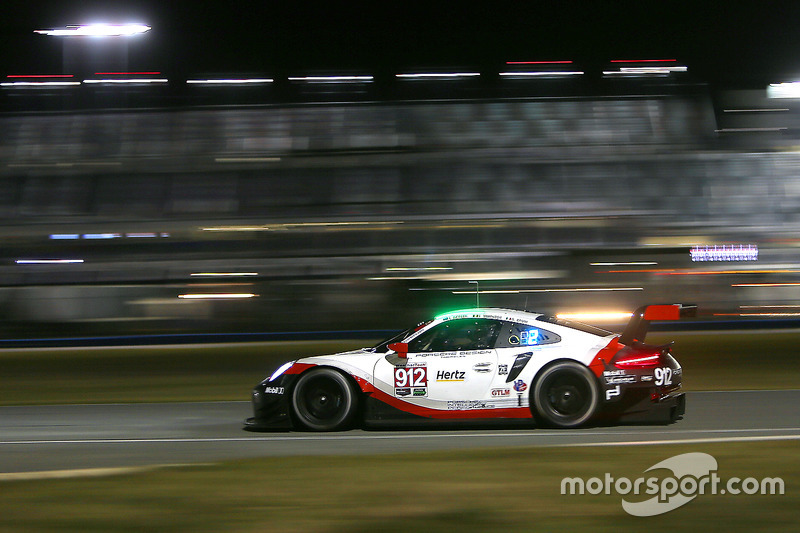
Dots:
{"x": 366, "y": 386}
{"x": 604, "y": 356}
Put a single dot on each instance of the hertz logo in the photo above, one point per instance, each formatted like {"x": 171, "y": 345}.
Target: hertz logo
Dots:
{"x": 454, "y": 375}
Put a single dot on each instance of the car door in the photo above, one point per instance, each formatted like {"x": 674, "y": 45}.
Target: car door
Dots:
{"x": 450, "y": 366}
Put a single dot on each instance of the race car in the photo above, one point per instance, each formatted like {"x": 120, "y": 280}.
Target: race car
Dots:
{"x": 479, "y": 365}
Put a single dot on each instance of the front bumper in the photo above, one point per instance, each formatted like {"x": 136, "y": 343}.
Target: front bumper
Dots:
{"x": 270, "y": 401}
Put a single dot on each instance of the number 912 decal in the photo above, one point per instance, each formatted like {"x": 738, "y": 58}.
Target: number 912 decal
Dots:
{"x": 411, "y": 377}
{"x": 411, "y": 381}
{"x": 663, "y": 376}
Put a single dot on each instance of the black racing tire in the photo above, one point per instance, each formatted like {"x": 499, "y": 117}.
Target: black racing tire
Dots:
{"x": 324, "y": 399}
{"x": 565, "y": 395}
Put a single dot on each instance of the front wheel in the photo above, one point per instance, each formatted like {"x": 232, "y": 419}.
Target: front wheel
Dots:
{"x": 324, "y": 400}
{"x": 566, "y": 395}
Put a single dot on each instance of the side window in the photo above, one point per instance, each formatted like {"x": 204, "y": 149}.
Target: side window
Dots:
{"x": 513, "y": 335}
{"x": 459, "y": 334}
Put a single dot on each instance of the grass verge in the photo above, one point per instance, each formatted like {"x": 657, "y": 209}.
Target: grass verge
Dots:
{"x": 464, "y": 491}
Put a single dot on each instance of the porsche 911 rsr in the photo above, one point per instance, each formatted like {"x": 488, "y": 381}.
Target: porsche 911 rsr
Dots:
{"x": 480, "y": 365}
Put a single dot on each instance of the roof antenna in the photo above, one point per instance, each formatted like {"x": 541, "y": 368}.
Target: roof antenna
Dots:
{"x": 477, "y": 294}
{"x": 526, "y": 303}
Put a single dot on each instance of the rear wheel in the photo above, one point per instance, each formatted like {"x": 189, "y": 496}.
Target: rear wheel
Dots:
{"x": 324, "y": 400}
{"x": 566, "y": 395}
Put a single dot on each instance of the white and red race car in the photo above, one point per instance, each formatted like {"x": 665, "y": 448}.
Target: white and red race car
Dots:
{"x": 478, "y": 365}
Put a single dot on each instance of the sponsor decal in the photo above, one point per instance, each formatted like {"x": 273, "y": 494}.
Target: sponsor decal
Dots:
{"x": 610, "y": 393}
{"x": 502, "y": 370}
{"x": 273, "y": 390}
{"x": 501, "y": 393}
{"x": 647, "y": 378}
{"x": 613, "y": 372}
{"x": 451, "y": 375}
{"x": 402, "y": 392}
{"x": 467, "y": 405}
{"x": 420, "y": 392}
{"x": 620, "y": 379}
{"x": 520, "y": 386}
{"x": 443, "y": 355}
{"x": 456, "y": 316}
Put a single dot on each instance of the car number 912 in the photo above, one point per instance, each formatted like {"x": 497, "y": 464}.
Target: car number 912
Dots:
{"x": 411, "y": 377}
{"x": 663, "y": 376}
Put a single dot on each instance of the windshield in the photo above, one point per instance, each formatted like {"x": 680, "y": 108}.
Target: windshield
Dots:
{"x": 397, "y": 337}
{"x": 383, "y": 346}
{"x": 586, "y": 328}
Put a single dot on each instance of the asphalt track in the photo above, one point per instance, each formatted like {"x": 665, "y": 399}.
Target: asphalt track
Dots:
{"x": 55, "y": 439}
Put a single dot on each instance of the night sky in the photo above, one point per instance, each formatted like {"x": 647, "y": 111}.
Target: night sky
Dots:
{"x": 728, "y": 43}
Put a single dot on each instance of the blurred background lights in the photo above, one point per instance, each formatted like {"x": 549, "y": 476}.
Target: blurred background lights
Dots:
{"x": 784, "y": 90}
{"x": 223, "y": 274}
{"x": 217, "y": 296}
{"x": 97, "y": 30}
{"x": 48, "y": 261}
{"x": 438, "y": 75}
{"x": 725, "y": 252}
{"x": 325, "y": 187}
{"x": 230, "y": 81}
{"x": 605, "y": 316}
{"x": 331, "y": 79}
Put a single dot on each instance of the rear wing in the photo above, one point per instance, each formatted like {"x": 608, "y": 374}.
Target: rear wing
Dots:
{"x": 637, "y": 327}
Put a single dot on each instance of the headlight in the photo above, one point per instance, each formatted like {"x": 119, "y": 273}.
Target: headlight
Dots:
{"x": 283, "y": 368}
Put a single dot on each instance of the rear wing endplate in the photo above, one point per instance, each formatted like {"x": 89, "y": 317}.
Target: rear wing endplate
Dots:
{"x": 637, "y": 327}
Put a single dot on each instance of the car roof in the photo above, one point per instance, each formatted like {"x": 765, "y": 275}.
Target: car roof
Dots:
{"x": 490, "y": 312}
{"x": 525, "y": 317}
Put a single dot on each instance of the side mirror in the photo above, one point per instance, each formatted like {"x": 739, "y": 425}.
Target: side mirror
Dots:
{"x": 400, "y": 347}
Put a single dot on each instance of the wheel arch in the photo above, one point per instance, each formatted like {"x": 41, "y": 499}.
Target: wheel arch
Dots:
{"x": 357, "y": 387}
{"x": 350, "y": 377}
{"x": 561, "y": 360}
{"x": 558, "y": 361}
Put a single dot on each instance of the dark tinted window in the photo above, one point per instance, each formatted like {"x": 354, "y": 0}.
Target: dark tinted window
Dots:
{"x": 460, "y": 334}
{"x": 513, "y": 335}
